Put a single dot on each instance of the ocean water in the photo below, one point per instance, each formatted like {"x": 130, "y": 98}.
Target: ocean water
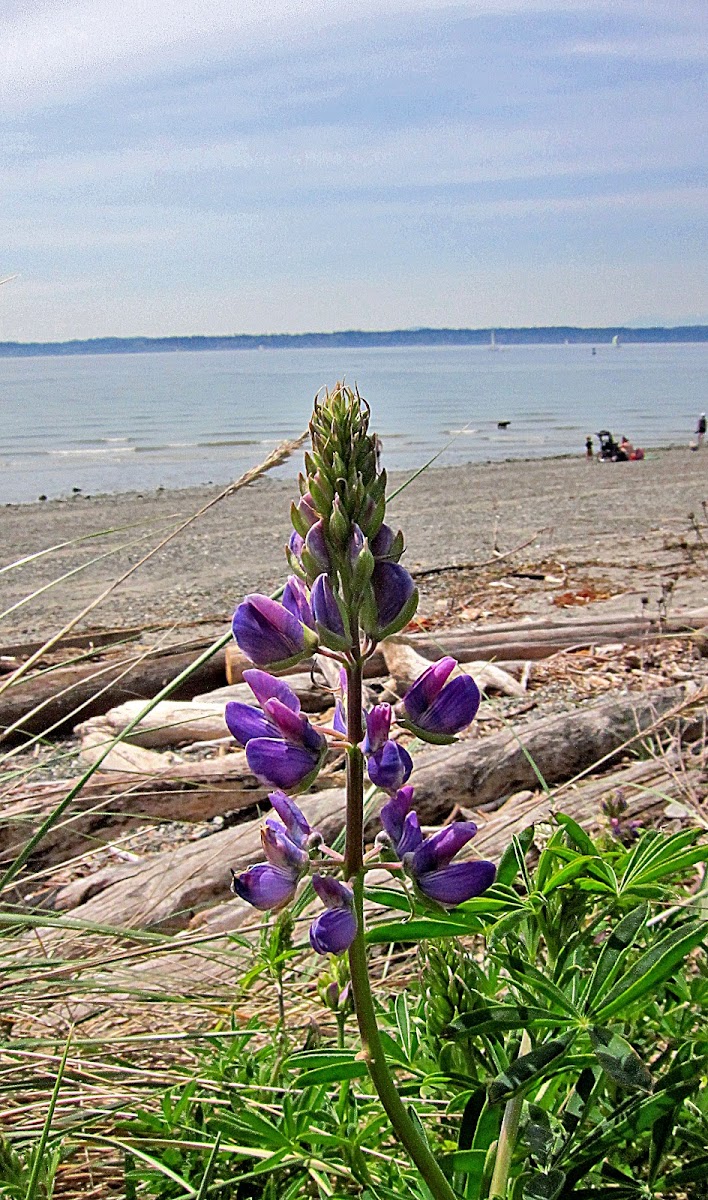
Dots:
{"x": 109, "y": 423}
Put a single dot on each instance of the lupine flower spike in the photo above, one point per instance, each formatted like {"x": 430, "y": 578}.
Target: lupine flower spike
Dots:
{"x": 348, "y": 590}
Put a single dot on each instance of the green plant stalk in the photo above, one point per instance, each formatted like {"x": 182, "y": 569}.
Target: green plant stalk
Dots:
{"x": 507, "y": 1136}
{"x": 374, "y": 1054}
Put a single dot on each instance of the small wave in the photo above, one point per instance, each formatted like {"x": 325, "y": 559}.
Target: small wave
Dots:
{"x": 232, "y": 442}
{"x": 88, "y": 453}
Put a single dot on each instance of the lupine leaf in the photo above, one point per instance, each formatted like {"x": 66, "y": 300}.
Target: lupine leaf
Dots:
{"x": 614, "y": 949}
{"x": 527, "y": 1069}
{"x": 581, "y": 840}
{"x": 516, "y": 851}
{"x": 507, "y": 1016}
{"x": 653, "y": 967}
{"x": 523, "y": 971}
{"x": 632, "y": 1117}
{"x": 546, "y": 1186}
{"x": 567, "y": 874}
{"x": 403, "y": 1021}
{"x": 419, "y": 929}
{"x": 334, "y": 1074}
{"x": 619, "y": 1060}
{"x": 387, "y": 897}
{"x": 692, "y": 1172}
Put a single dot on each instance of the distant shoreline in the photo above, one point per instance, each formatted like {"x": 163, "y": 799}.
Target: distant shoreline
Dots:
{"x": 552, "y": 335}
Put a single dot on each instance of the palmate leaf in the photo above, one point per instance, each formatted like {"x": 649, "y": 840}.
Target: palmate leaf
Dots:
{"x": 528, "y": 977}
{"x": 651, "y": 852}
{"x": 619, "y": 1060}
{"x": 631, "y": 1118}
{"x": 614, "y": 950}
{"x": 527, "y": 1069}
{"x": 652, "y": 968}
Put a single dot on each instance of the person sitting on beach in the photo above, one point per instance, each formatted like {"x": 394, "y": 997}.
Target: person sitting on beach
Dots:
{"x": 626, "y": 446}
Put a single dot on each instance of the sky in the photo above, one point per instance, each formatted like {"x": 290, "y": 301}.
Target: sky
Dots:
{"x": 184, "y": 167}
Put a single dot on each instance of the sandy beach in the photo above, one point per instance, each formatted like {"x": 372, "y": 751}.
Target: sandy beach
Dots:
{"x": 615, "y": 532}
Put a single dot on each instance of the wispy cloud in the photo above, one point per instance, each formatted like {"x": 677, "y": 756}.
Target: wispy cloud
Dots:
{"x": 253, "y": 151}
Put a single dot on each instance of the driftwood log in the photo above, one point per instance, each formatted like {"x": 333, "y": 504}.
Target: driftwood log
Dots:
{"x": 53, "y": 700}
{"x": 190, "y": 887}
{"x": 168, "y": 888}
{"x": 56, "y": 699}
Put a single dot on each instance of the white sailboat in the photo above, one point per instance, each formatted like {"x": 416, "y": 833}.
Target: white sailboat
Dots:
{"x": 616, "y": 341}
{"x": 493, "y": 341}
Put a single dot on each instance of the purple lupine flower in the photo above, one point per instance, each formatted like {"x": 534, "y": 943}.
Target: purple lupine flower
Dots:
{"x": 389, "y": 767}
{"x": 296, "y": 600}
{"x": 295, "y": 821}
{"x": 438, "y": 878}
{"x": 330, "y": 623}
{"x": 394, "y": 600}
{"x": 264, "y": 886}
{"x": 273, "y": 884}
{"x": 269, "y": 634}
{"x": 282, "y": 747}
{"x": 378, "y": 726}
{"x": 334, "y": 931}
{"x": 436, "y": 710}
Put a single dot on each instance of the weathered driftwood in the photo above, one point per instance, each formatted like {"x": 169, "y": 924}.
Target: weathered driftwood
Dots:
{"x": 69, "y": 694}
{"x": 106, "y": 805}
{"x": 171, "y": 887}
{"x": 515, "y": 641}
{"x": 170, "y": 723}
{"x": 405, "y": 664}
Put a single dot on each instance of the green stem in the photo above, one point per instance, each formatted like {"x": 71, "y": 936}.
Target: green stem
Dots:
{"x": 507, "y": 1136}
{"x": 404, "y": 1126}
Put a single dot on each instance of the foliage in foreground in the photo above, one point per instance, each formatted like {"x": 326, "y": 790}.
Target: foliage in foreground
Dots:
{"x": 574, "y": 1009}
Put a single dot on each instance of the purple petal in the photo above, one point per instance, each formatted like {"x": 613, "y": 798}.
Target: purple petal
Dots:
{"x": 393, "y": 588}
{"x": 395, "y": 811}
{"x": 378, "y": 727}
{"x": 390, "y": 767}
{"x": 266, "y": 687}
{"x": 411, "y": 835}
{"x": 296, "y": 601}
{"x": 437, "y": 851}
{"x": 266, "y": 631}
{"x": 381, "y": 544}
{"x": 295, "y": 544}
{"x": 356, "y": 544}
{"x": 316, "y": 545}
{"x": 307, "y": 510}
{"x": 332, "y": 893}
{"x": 281, "y": 851}
{"x": 325, "y": 607}
{"x": 457, "y": 883}
{"x": 427, "y": 687}
{"x": 246, "y": 722}
{"x": 294, "y": 820}
{"x": 280, "y": 764}
{"x": 339, "y": 720}
{"x": 294, "y": 727}
{"x": 453, "y": 709}
{"x": 333, "y": 932}
{"x": 265, "y": 886}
